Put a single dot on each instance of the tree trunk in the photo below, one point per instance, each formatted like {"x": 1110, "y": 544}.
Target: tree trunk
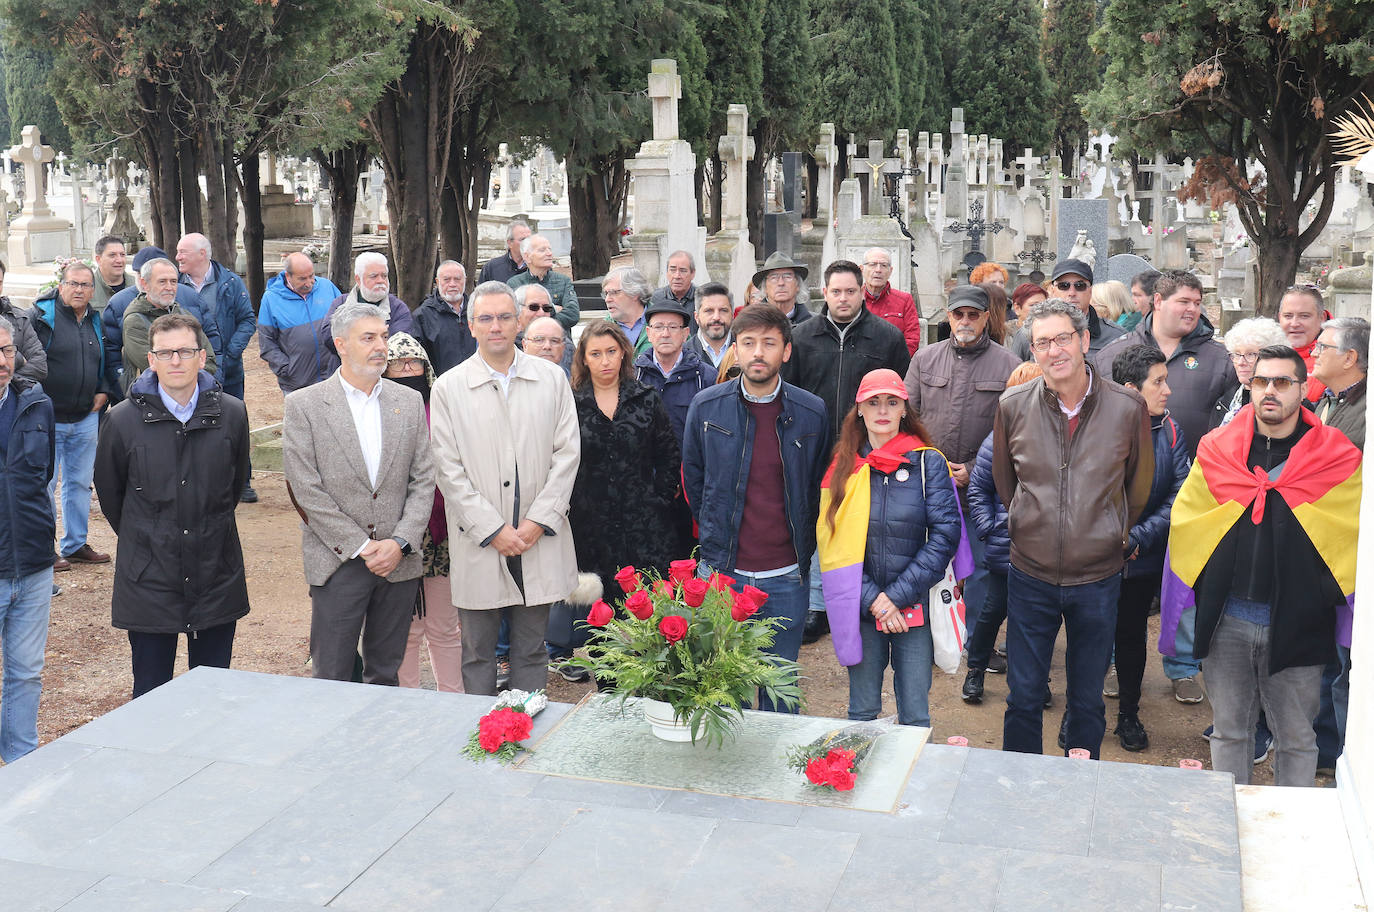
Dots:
{"x": 217, "y": 198}
{"x": 158, "y": 143}
{"x": 252, "y": 225}
{"x": 594, "y": 205}
{"x": 813, "y": 176}
{"x": 344, "y": 167}
{"x": 717, "y": 192}
{"x": 754, "y": 198}
{"x": 1278, "y": 266}
{"x": 451, "y": 240}
{"x": 189, "y": 164}
{"x": 699, "y": 183}
{"x": 225, "y": 158}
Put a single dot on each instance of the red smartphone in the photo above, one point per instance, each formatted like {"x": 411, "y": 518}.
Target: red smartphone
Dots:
{"x": 914, "y": 616}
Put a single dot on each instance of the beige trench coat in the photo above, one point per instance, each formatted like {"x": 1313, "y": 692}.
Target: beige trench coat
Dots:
{"x": 480, "y": 439}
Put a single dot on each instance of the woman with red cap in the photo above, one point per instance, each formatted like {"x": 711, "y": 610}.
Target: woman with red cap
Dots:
{"x": 888, "y": 497}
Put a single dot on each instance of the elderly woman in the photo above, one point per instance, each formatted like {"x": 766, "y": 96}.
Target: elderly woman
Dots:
{"x": 627, "y": 293}
{"x": 621, "y": 505}
{"x": 1111, "y": 300}
{"x": 1243, "y": 343}
{"x": 436, "y": 619}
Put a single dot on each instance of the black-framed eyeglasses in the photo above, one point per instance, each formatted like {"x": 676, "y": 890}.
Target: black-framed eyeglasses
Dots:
{"x": 1063, "y": 340}
{"x": 1319, "y": 347}
{"x": 1245, "y": 358}
{"x": 1080, "y": 285}
{"x": 87, "y": 286}
{"x": 165, "y": 354}
{"x": 1260, "y": 384}
{"x": 665, "y": 327}
{"x": 8, "y": 351}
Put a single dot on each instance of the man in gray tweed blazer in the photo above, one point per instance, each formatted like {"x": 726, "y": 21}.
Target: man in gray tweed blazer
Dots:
{"x": 355, "y": 448}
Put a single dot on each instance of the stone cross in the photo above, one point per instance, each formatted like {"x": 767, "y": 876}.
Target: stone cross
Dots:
{"x": 33, "y": 155}
{"x": 826, "y": 155}
{"x": 976, "y": 226}
{"x": 736, "y": 150}
{"x": 1028, "y": 161}
{"x": 665, "y": 88}
{"x": 875, "y": 166}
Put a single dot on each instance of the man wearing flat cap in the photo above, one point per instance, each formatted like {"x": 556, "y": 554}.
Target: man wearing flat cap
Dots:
{"x": 781, "y": 278}
{"x": 1072, "y": 281}
{"x": 954, "y": 385}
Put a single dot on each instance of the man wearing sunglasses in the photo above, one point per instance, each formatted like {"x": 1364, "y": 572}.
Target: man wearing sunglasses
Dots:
{"x": 1262, "y": 555}
{"x": 1072, "y": 281}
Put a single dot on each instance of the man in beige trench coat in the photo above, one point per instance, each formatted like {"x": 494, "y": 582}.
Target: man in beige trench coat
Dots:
{"x": 506, "y": 448}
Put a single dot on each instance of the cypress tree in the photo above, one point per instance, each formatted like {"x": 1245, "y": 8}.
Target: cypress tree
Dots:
{"x": 999, "y": 77}
{"x": 1072, "y": 68}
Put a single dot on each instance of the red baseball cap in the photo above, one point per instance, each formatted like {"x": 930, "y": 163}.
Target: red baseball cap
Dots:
{"x": 877, "y": 382}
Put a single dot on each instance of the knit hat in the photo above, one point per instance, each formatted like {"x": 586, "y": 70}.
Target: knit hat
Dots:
{"x": 403, "y": 345}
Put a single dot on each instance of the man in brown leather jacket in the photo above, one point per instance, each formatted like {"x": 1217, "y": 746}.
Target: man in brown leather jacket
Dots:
{"x": 1073, "y": 462}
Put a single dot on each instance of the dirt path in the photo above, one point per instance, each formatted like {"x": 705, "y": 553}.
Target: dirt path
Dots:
{"x": 88, "y": 673}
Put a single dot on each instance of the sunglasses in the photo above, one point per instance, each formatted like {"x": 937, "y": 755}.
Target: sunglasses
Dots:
{"x": 547, "y": 308}
{"x": 1076, "y": 286}
{"x": 1260, "y": 384}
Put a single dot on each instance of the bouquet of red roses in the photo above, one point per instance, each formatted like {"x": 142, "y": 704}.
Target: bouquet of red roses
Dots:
{"x": 510, "y": 721}
{"x": 832, "y": 760}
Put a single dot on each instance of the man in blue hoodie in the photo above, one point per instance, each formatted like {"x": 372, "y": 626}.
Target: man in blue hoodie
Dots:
{"x": 290, "y": 324}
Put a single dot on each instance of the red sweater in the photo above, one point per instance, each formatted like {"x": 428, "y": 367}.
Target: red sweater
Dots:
{"x": 765, "y": 540}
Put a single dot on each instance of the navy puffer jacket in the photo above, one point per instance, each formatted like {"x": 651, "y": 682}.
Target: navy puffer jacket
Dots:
{"x": 912, "y": 535}
{"x": 1151, "y": 533}
{"x": 987, "y": 513}
{"x": 26, "y": 516}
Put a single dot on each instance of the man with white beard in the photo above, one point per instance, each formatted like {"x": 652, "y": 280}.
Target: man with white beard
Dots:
{"x": 371, "y": 285}
{"x": 441, "y": 325}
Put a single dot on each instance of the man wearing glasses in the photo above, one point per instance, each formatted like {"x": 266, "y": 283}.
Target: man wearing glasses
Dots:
{"x": 72, "y": 333}
{"x": 1072, "y": 281}
{"x": 1073, "y": 461}
{"x": 1266, "y": 567}
{"x": 675, "y": 371}
{"x": 626, "y": 293}
{"x": 172, "y": 462}
{"x": 896, "y": 307}
{"x": 780, "y": 280}
{"x": 158, "y": 298}
{"x": 1199, "y": 366}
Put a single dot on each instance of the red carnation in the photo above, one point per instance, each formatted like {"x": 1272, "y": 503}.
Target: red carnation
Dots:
{"x": 842, "y": 780}
{"x": 600, "y": 615}
{"x": 516, "y": 725}
{"x": 694, "y": 592}
{"x": 639, "y": 604}
{"x": 628, "y": 579}
{"x": 682, "y": 570}
{"x": 817, "y": 771}
{"x": 673, "y": 627}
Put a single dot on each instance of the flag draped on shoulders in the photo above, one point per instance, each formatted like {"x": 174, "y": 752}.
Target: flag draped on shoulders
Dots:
{"x": 1320, "y": 483}
{"x": 842, "y": 547}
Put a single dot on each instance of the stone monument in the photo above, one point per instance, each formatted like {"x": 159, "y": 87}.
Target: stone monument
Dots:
{"x": 37, "y": 236}
{"x": 729, "y": 255}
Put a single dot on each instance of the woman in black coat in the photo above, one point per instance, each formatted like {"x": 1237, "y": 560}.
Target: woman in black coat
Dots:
{"x": 630, "y": 472}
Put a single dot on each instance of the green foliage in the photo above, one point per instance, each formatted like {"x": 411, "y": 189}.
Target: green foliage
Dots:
{"x": 28, "y": 96}
{"x": 789, "y": 79}
{"x": 4, "y": 101}
{"x": 707, "y": 675}
{"x": 1072, "y": 68}
{"x": 999, "y": 78}
{"x": 915, "y": 67}
{"x": 1241, "y": 79}
{"x": 695, "y": 107}
{"x": 855, "y": 48}
{"x": 734, "y": 51}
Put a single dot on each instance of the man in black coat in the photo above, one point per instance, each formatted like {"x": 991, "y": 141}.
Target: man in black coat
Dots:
{"x": 170, "y": 465}
{"x": 441, "y": 324}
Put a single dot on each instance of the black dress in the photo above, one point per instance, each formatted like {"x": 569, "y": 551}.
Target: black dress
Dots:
{"x": 622, "y": 508}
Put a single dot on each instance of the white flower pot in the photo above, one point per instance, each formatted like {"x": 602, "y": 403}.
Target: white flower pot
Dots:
{"x": 664, "y": 723}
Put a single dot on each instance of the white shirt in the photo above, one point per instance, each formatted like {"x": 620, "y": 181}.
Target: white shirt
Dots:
{"x": 1072, "y": 413}
{"x": 668, "y": 371}
{"x": 502, "y": 380}
{"x": 180, "y": 412}
{"x": 367, "y": 421}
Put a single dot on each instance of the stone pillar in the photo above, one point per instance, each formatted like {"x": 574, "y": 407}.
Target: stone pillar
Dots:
{"x": 37, "y": 236}
{"x": 818, "y": 245}
{"x": 729, "y": 255}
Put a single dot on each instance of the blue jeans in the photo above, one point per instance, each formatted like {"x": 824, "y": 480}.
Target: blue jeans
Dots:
{"x": 982, "y": 633}
{"x": 912, "y": 654}
{"x": 1035, "y": 610}
{"x": 788, "y": 597}
{"x": 24, "y": 606}
{"x": 76, "y": 464}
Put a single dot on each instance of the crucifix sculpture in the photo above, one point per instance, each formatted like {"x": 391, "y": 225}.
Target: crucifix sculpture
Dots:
{"x": 975, "y": 227}
{"x": 1037, "y": 255}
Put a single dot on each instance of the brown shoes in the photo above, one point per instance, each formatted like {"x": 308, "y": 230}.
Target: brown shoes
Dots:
{"x": 61, "y": 564}
{"x": 87, "y": 555}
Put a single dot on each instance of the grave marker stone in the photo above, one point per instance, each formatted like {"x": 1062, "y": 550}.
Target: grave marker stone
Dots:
{"x": 1090, "y": 216}
{"x": 37, "y": 236}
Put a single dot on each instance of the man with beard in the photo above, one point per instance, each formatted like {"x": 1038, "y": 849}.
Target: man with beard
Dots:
{"x": 159, "y": 298}
{"x": 441, "y": 326}
{"x": 372, "y": 286}
{"x": 1266, "y": 568}
{"x": 715, "y": 313}
{"x": 509, "y": 264}
{"x": 780, "y": 280}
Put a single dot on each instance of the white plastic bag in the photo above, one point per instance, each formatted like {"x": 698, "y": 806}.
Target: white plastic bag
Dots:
{"x": 948, "y": 627}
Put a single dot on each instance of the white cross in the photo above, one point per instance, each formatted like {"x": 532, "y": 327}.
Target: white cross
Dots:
{"x": 665, "y": 88}
{"x": 33, "y": 155}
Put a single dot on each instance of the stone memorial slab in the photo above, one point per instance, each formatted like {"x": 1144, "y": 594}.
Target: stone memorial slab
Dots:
{"x": 1126, "y": 266}
{"x": 1090, "y": 215}
{"x": 606, "y": 741}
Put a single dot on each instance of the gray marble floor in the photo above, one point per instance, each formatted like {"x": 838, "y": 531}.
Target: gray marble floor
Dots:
{"x": 229, "y": 790}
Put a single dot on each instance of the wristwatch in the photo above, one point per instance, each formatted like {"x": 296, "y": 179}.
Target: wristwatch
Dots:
{"x": 405, "y": 545}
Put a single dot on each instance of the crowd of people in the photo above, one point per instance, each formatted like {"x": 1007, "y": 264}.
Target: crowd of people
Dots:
{"x": 470, "y": 475}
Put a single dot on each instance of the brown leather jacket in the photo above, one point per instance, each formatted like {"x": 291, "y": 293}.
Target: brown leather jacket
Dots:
{"x": 955, "y": 391}
{"x": 1071, "y": 502}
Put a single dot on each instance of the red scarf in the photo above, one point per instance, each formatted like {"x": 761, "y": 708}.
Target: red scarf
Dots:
{"x": 886, "y": 459}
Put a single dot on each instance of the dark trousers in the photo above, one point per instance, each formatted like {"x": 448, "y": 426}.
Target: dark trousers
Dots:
{"x": 982, "y": 633}
{"x": 1132, "y": 618}
{"x": 355, "y": 601}
{"x": 529, "y": 662}
{"x": 155, "y": 654}
{"x": 1035, "y": 609}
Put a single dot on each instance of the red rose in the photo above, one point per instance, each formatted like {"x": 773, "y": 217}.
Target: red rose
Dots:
{"x": 743, "y": 608}
{"x": 682, "y": 570}
{"x": 664, "y": 587}
{"x": 694, "y": 592}
{"x": 755, "y": 593}
{"x": 720, "y": 582}
{"x": 673, "y": 627}
{"x": 639, "y": 604}
{"x": 600, "y": 615}
{"x": 628, "y": 579}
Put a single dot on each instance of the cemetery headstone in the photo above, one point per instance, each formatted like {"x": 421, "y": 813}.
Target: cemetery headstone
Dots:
{"x": 1089, "y": 216}
{"x": 37, "y": 236}
{"x": 729, "y": 254}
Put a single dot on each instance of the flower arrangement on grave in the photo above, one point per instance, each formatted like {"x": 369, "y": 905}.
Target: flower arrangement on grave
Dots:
{"x": 832, "y": 760}
{"x": 500, "y": 732}
{"x": 58, "y": 266}
{"x": 694, "y": 644}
